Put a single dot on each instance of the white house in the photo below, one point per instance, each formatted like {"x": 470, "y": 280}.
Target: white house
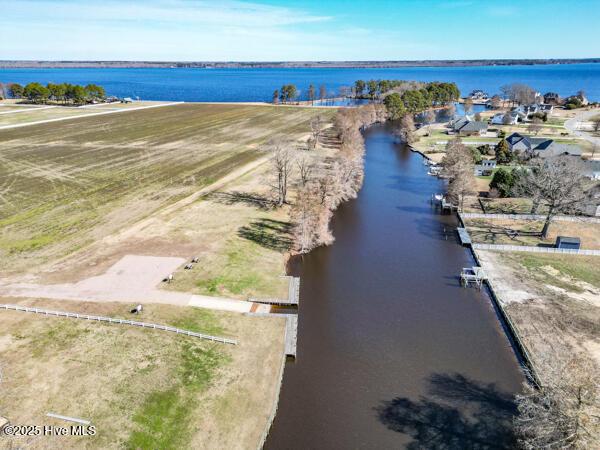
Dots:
{"x": 512, "y": 118}
{"x": 486, "y": 167}
{"x": 478, "y": 94}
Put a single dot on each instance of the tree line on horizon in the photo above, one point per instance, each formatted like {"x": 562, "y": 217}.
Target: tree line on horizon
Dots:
{"x": 64, "y": 93}
{"x": 422, "y": 94}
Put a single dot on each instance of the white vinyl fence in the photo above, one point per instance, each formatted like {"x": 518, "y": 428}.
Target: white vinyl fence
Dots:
{"x": 525, "y": 248}
{"x": 48, "y": 312}
{"x": 582, "y": 219}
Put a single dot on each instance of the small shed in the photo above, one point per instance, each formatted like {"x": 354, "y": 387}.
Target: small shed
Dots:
{"x": 571, "y": 243}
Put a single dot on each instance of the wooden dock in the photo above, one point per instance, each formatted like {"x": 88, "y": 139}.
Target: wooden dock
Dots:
{"x": 463, "y": 234}
{"x": 293, "y": 295}
{"x": 291, "y": 334}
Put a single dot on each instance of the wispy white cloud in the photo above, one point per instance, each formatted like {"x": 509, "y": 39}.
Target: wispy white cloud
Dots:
{"x": 190, "y": 12}
{"x": 189, "y": 30}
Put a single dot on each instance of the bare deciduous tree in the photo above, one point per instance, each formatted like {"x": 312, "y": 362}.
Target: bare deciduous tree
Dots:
{"x": 429, "y": 118}
{"x": 406, "y": 130}
{"x": 564, "y": 414}
{"x": 558, "y": 183}
{"x": 311, "y": 221}
{"x": 316, "y": 127}
{"x": 305, "y": 170}
{"x": 282, "y": 164}
{"x": 458, "y": 168}
{"x": 468, "y": 105}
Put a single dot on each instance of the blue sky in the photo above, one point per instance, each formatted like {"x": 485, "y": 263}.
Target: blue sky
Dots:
{"x": 193, "y": 30}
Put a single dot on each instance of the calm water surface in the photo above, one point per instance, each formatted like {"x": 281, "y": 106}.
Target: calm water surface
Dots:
{"x": 231, "y": 85}
{"x": 392, "y": 351}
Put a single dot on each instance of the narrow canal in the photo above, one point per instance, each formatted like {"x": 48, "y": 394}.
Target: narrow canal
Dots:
{"x": 392, "y": 352}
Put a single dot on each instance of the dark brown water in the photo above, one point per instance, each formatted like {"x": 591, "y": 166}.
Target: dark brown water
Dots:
{"x": 392, "y": 352}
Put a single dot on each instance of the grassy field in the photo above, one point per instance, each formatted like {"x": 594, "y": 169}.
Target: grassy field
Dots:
{"x": 64, "y": 185}
{"x": 563, "y": 269}
{"x": 517, "y": 232}
{"x": 140, "y": 388}
{"x": 19, "y": 116}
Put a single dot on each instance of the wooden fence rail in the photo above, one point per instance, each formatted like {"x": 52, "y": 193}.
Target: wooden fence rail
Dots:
{"x": 48, "y": 312}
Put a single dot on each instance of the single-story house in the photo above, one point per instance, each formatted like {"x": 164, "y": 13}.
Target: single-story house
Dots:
{"x": 485, "y": 168}
{"x": 458, "y": 121}
{"x": 471, "y": 128}
{"x": 542, "y": 147}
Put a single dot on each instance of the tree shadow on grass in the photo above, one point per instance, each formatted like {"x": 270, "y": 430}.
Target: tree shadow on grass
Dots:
{"x": 458, "y": 413}
{"x": 237, "y": 197}
{"x": 269, "y": 233}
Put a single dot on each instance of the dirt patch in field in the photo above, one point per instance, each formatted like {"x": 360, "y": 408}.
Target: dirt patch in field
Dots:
{"x": 556, "y": 312}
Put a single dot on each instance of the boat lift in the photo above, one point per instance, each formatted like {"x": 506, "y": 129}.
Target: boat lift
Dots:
{"x": 472, "y": 275}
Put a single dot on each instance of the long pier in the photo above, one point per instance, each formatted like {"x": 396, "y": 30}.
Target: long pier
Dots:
{"x": 291, "y": 335}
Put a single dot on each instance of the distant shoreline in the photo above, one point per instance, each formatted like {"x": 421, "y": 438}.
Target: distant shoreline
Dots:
{"x": 287, "y": 65}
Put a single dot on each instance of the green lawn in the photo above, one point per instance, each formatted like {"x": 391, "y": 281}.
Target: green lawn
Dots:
{"x": 584, "y": 268}
{"x": 141, "y": 388}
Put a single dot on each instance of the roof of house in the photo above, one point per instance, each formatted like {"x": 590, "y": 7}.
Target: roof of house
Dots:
{"x": 459, "y": 121}
{"x": 543, "y": 146}
{"x": 473, "y": 126}
{"x": 540, "y": 143}
{"x": 556, "y": 149}
{"x": 516, "y": 138}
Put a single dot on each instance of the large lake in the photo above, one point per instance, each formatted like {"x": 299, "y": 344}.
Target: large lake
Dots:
{"x": 229, "y": 85}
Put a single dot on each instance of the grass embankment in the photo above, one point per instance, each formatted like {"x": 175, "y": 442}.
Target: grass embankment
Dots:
{"x": 140, "y": 388}
{"x": 67, "y": 184}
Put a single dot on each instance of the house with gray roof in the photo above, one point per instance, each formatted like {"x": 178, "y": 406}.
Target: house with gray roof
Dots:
{"x": 471, "y": 128}
{"x": 541, "y": 147}
{"x": 466, "y": 126}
